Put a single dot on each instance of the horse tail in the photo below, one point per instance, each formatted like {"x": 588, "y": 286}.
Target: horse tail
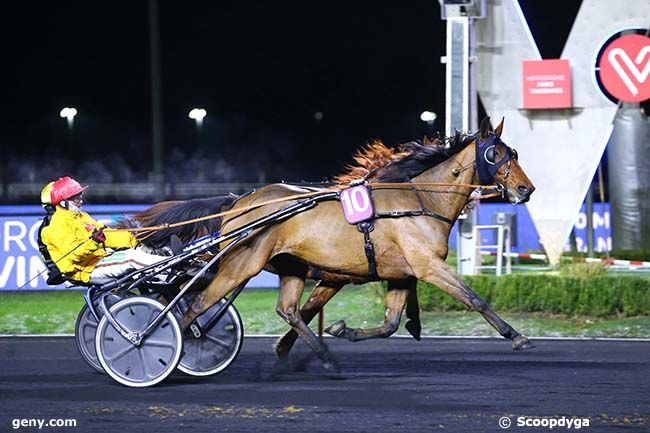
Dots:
{"x": 145, "y": 218}
{"x": 170, "y": 212}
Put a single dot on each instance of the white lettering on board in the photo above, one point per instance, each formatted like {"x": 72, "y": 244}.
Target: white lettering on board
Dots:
{"x": 33, "y": 233}
{"x": 21, "y": 276}
{"x": 17, "y": 238}
{"x": 601, "y": 221}
{"x": 36, "y": 267}
{"x": 6, "y": 270}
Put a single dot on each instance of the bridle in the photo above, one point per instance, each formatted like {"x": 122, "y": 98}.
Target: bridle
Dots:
{"x": 486, "y": 165}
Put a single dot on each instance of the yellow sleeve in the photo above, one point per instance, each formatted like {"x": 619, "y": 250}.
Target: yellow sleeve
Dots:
{"x": 119, "y": 239}
{"x": 114, "y": 239}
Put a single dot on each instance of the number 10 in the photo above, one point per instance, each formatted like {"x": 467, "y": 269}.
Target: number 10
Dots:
{"x": 355, "y": 200}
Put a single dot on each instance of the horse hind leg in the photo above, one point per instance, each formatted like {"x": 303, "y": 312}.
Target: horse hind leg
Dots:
{"x": 413, "y": 325}
{"x": 394, "y": 302}
{"x": 440, "y": 275}
{"x": 291, "y": 288}
{"x": 235, "y": 271}
{"x": 320, "y": 295}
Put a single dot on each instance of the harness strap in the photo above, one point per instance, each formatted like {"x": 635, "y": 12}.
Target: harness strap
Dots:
{"x": 423, "y": 211}
{"x": 408, "y": 213}
{"x": 366, "y": 227}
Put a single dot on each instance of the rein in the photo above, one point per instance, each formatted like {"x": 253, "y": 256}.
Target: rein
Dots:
{"x": 144, "y": 232}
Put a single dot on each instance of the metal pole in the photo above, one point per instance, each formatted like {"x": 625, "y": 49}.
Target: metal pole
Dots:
{"x": 499, "y": 250}
{"x": 508, "y": 257}
{"x": 156, "y": 100}
{"x": 589, "y": 211}
{"x": 601, "y": 190}
{"x": 321, "y": 321}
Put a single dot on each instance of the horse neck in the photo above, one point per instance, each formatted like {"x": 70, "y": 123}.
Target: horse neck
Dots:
{"x": 449, "y": 200}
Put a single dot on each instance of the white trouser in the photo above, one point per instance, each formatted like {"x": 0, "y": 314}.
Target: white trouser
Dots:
{"x": 122, "y": 262}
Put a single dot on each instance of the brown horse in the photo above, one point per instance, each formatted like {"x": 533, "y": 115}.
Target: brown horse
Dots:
{"x": 171, "y": 212}
{"x": 406, "y": 249}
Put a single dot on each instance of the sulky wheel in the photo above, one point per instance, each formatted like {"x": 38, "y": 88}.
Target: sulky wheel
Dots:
{"x": 157, "y": 355}
{"x": 84, "y": 333}
{"x": 217, "y": 347}
{"x": 84, "y": 336}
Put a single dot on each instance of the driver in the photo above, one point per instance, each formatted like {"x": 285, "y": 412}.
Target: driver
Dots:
{"x": 78, "y": 245}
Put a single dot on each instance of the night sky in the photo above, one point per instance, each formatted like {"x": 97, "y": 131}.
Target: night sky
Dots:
{"x": 261, "y": 69}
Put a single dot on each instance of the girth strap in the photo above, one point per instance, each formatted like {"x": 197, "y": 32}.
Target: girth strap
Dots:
{"x": 407, "y": 213}
{"x": 366, "y": 227}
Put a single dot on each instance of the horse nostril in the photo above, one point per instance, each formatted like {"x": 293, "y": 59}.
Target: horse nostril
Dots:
{"x": 523, "y": 189}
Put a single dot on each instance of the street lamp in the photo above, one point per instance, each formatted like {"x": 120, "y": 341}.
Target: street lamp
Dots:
{"x": 429, "y": 117}
{"x": 68, "y": 113}
{"x": 197, "y": 114}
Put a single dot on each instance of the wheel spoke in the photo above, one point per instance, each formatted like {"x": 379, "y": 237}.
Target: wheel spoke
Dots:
{"x": 144, "y": 364}
{"x": 217, "y": 341}
{"x": 157, "y": 343}
{"x": 152, "y": 314}
{"x": 121, "y": 353}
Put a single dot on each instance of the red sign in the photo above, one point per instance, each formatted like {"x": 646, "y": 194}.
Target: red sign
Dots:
{"x": 625, "y": 66}
{"x": 547, "y": 84}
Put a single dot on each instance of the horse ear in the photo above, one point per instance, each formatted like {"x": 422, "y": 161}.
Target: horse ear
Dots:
{"x": 499, "y": 129}
{"x": 485, "y": 127}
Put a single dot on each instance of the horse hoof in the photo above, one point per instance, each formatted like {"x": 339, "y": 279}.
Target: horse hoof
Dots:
{"x": 336, "y": 329}
{"x": 331, "y": 366}
{"x": 280, "y": 348}
{"x": 281, "y": 366}
{"x": 414, "y": 328}
{"x": 522, "y": 343}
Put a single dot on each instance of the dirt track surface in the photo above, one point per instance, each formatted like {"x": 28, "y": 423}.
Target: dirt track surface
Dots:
{"x": 394, "y": 385}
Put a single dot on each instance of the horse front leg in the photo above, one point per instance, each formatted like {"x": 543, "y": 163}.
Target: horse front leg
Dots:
{"x": 440, "y": 275}
{"x": 394, "y": 302}
{"x": 320, "y": 295}
{"x": 291, "y": 288}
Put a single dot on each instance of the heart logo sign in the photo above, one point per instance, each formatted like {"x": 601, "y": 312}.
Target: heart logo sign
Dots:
{"x": 625, "y": 68}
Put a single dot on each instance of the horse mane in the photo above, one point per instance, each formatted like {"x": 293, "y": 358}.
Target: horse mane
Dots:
{"x": 169, "y": 212}
{"x": 380, "y": 163}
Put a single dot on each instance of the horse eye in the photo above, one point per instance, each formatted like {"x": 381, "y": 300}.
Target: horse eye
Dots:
{"x": 490, "y": 154}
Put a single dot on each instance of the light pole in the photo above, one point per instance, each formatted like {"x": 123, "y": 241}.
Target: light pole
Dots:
{"x": 156, "y": 101}
{"x": 198, "y": 114}
{"x": 68, "y": 113}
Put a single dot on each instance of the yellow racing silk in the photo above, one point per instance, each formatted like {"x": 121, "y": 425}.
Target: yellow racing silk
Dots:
{"x": 67, "y": 238}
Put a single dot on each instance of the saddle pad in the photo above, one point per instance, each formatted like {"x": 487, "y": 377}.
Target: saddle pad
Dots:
{"x": 356, "y": 204}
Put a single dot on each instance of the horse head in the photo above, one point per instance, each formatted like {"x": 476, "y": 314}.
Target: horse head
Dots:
{"x": 497, "y": 163}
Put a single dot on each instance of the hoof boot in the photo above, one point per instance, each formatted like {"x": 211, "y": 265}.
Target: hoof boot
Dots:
{"x": 336, "y": 329}
{"x": 521, "y": 343}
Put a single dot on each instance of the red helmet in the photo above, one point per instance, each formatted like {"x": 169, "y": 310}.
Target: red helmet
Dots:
{"x": 64, "y": 188}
